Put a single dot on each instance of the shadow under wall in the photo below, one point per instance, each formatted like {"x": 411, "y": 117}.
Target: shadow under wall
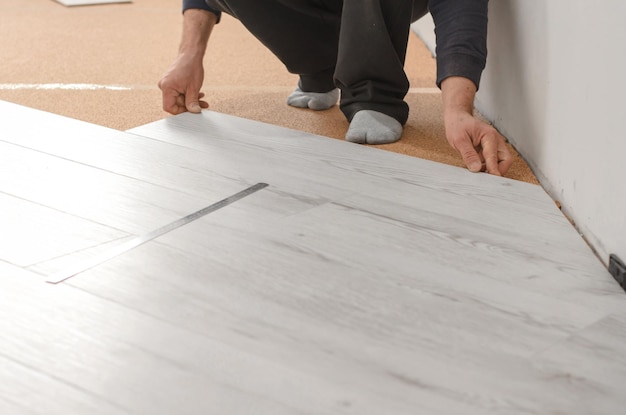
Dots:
{"x": 513, "y": 93}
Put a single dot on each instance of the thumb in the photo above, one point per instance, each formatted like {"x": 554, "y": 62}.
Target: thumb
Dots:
{"x": 470, "y": 156}
{"x": 192, "y": 102}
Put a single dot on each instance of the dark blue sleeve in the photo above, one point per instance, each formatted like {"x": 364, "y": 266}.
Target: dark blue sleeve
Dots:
{"x": 200, "y": 4}
{"x": 461, "y": 30}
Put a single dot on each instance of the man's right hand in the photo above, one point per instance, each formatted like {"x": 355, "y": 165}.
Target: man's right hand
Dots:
{"x": 180, "y": 86}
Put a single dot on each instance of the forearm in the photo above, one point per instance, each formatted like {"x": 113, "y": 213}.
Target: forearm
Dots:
{"x": 197, "y": 27}
{"x": 461, "y": 29}
{"x": 458, "y": 95}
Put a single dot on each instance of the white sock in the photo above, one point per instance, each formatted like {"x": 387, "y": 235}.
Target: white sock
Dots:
{"x": 372, "y": 127}
{"x": 315, "y": 100}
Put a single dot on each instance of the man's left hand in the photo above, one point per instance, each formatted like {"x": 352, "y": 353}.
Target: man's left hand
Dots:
{"x": 481, "y": 146}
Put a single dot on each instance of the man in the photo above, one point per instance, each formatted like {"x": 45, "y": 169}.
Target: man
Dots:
{"x": 355, "y": 49}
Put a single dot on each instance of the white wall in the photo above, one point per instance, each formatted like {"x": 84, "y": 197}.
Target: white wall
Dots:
{"x": 555, "y": 86}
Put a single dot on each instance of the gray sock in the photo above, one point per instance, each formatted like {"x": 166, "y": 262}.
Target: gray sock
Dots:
{"x": 315, "y": 100}
{"x": 372, "y": 127}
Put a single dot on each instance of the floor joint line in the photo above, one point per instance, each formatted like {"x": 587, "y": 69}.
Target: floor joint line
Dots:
{"x": 116, "y": 251}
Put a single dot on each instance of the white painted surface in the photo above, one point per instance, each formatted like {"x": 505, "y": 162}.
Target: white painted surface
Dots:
{"x": 555, "y": 86}
{"x": 425, "y": 29}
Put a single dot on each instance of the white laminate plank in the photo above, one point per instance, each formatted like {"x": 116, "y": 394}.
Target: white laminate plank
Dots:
{"x": 210, "y": 148}
{"x": 72, "y": 3}
{"x": 590, "y": 366}
{"x": 269, "y": 148}
{"x": 524, "y": 247}
{"x": 402, "y": 256}
{"x": 25, "y": 390}
{"x": 378, "y": 364}
{"x": 13, "y": 271}
{"x": 32, "y": 233}
{"x": 172, "y": 166}
{"x": 144, "y": 159}
{"x": 485, "y": 200}
{"x": 266, "y": 206}
{"x": 144, "y": 365}
{"x": 503, "y": 217}
{"x": 478, "y": 273}
{"x": 421, "y": 348}
{"x": 121, "y": 202}
{"x": 150, "y": 236}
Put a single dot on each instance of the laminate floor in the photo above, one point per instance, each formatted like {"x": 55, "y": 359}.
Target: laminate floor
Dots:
{"x": 356, "y": 282}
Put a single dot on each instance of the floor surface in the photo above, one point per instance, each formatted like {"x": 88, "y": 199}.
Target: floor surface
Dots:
{"x": 356, "y": 282}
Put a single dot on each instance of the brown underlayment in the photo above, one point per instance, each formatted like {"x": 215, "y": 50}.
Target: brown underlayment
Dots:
{"x": 131, "y": 45}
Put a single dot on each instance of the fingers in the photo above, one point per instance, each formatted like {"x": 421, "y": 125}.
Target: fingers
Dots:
{"x": 171, "y": 101}
{"x": 490, "y": 153}
{"x": 497, "y": 156}
{"x": 469, "y": 154}
{"x": 505, "y": 158}
{"x": 175, "y": 102}
{"x": 203, "y": 104}
{"x": 481, "y": 146}
{"x": 192, "y": 101}
{"x": 170, "y": 96}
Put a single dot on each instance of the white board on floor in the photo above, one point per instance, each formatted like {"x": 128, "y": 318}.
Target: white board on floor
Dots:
{"x": 71, "y": 3}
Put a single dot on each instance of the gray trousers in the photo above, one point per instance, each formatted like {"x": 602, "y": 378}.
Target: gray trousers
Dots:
{"x": 358, "y": 46}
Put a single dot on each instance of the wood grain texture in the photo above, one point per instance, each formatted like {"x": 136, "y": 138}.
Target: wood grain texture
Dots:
{"x": 358, "y": 282}
{"x": 32, "y": 233}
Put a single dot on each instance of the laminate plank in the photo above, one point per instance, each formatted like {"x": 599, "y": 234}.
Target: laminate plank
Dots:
{"x": 14, "y": 271}
{"x": 144, "y": 365}
{"x": 173, "y": 167}
{"x": 107, "y": 149}
{"x": 33, "y": 233}
{"x": 214, "y": 145}
{"x": 589, "y": 366}
{"x": 324, "y": 340}
{"x": 25, "y": 390}
{"x": 500, "y": 215}
{"x": 123, "y": 203}
{"x": 523, "y": 247}
{"x": 428, "y": 348}
{"x": 359, "y": 167}
{"x": 73, "y": 3}
{"x": 302, "y": 251}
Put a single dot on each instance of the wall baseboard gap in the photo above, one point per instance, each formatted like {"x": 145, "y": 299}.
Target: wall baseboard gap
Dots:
{"x": 617, "y": 268}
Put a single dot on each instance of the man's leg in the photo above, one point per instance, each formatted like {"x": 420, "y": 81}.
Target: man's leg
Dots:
{"x": 303, "y": 34}
{"x": 370, "y": 67}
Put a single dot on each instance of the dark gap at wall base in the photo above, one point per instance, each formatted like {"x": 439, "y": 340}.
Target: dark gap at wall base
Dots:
{"x": 618, "y": 270}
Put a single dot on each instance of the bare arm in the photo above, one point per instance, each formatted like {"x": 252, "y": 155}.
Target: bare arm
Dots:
{"x": 180, "y": 86}
{"x": 476, "y": 141}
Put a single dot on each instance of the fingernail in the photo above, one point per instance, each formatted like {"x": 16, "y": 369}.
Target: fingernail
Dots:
{"x": 475, "y": 167}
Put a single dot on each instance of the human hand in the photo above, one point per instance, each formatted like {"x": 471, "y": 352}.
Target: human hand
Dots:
{"x": 180, "y": 86}
{"x": 480, "y": 145}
